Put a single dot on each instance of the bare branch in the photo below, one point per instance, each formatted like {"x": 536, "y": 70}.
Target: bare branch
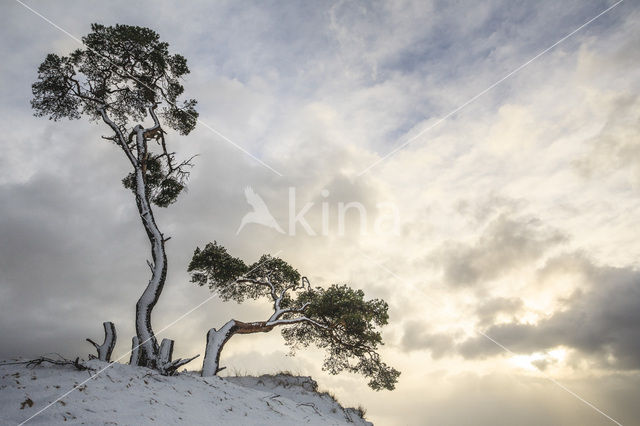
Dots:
{"x": 279, "y": 299}
{"x": 306, "y": 280}
{"x": 266, "y": 283}
{"x": 171, "y": 368}
{"x": 296, "y": 321}
{"x": 121, "y": 140}
{"x": 111, "y": 138}
{"x": 97, "y": 346}
{"x": 156, "y": 123}
{"x": 296, "y": 310}
{"x": 32, "y": 363}
{"x": 105, "y": 349}
{"x": 180, "y": 361}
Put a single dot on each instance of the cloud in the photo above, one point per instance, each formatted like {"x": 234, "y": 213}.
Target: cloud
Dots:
{"x": 502, "y": 399}
{"x": 505, "y": 244}
{"x": 600, "y": 322}
{"x": 320, "y": 92}
{"x": 46, "y": 306}
{"x": 487, "y": 311}
{"x": 616, "y": 148}
{"x": 417, "y": 337}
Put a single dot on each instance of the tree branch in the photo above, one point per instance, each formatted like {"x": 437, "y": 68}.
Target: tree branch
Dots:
{"x": 105, "y": 349}
{"x": 156, "y": 122}
{"x": 121, "y": 140}
{"x": 266, "y": 283}
{"x": 62, "y": 361}
{"x": 97, "y": 346}
{"x": 296, "y": 321}
{"x": 296, "y": 310}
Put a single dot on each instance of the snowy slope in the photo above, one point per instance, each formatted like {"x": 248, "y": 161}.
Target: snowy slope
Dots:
{"x": 124, "y": 395}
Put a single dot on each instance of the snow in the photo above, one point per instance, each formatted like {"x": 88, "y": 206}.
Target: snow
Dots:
{"x": 126, "y": 395}
{"x": 215, "y": 340}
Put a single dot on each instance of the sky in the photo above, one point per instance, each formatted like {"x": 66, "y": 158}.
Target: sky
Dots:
{"x": 497, "y": 162}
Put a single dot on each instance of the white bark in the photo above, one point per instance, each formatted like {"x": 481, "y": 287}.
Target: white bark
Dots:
{"x": 165, "y": 363}
{"x": 149, "y": 298}
{"x": 120, "y": 137}
{"x": 135, "y": 351}
{"x": 166, "y": 351}
{"x": 105, "y": 350}
{"x": 215, "y": 342}
{"x": 216, "y": 339}
{"x": 294, "y": 321}
{"x": 148, "y": 345}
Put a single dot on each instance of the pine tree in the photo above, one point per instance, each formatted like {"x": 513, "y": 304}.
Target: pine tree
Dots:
{"x": 337, "y": 319}
{"x": 124, "y": 76}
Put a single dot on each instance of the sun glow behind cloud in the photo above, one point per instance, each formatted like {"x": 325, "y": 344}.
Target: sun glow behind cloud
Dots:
{"x": 535, "y": 361}
{"x": 513, "y": 212}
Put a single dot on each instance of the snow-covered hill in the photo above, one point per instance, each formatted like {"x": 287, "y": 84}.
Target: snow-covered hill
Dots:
{"x": 124, "y": 395}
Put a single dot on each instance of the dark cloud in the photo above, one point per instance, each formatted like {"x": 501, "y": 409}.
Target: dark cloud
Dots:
{"x": 505, "y": 244}
{"x": 317, "y": 92}
{"x": 488, "y": 310}
{"x": 62, "y": 270}
{"x": 502, "y": 399}
{"x": 542, "y": 364}
{"x": 418, "y": 337}
{"x": 601, "y": 323}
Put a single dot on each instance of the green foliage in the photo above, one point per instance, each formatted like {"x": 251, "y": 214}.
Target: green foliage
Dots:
{"x": 123, "y": 72}
{"x": 232, "y": 279}
{"x": 348, "y": 332}
{"x": 214, "y": 267}
{"x": 163, "y": 189}
{"x": 337, "y": 319}
{"x": 51, "y": 91}
{"x": 124, "y": 69}
{"x": 279, "y": 273}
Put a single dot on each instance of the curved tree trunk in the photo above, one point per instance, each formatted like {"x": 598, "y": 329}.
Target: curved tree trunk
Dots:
{"x": 148, "y": 343}
{"x": 216, "y": 339}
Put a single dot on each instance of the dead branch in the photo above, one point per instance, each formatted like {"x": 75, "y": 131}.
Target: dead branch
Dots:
{"x": 171, "y": 368}
{"x": 104, "y": 350}
{"x": 32, "y": 363}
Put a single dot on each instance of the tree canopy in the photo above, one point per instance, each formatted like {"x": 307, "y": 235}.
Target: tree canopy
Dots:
{"x": 124, "y": 75}
{"x": 337, "y": 319}
{"x": 124, "y": 68}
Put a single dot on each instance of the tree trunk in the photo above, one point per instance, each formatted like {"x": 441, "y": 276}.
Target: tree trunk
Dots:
{"x": 105, "y": 350}
{"x": 148, "y": 343}
{"x": 216, "y": 339}
{"x": 135, "y": 351}
{"x": 166, "y": 352}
